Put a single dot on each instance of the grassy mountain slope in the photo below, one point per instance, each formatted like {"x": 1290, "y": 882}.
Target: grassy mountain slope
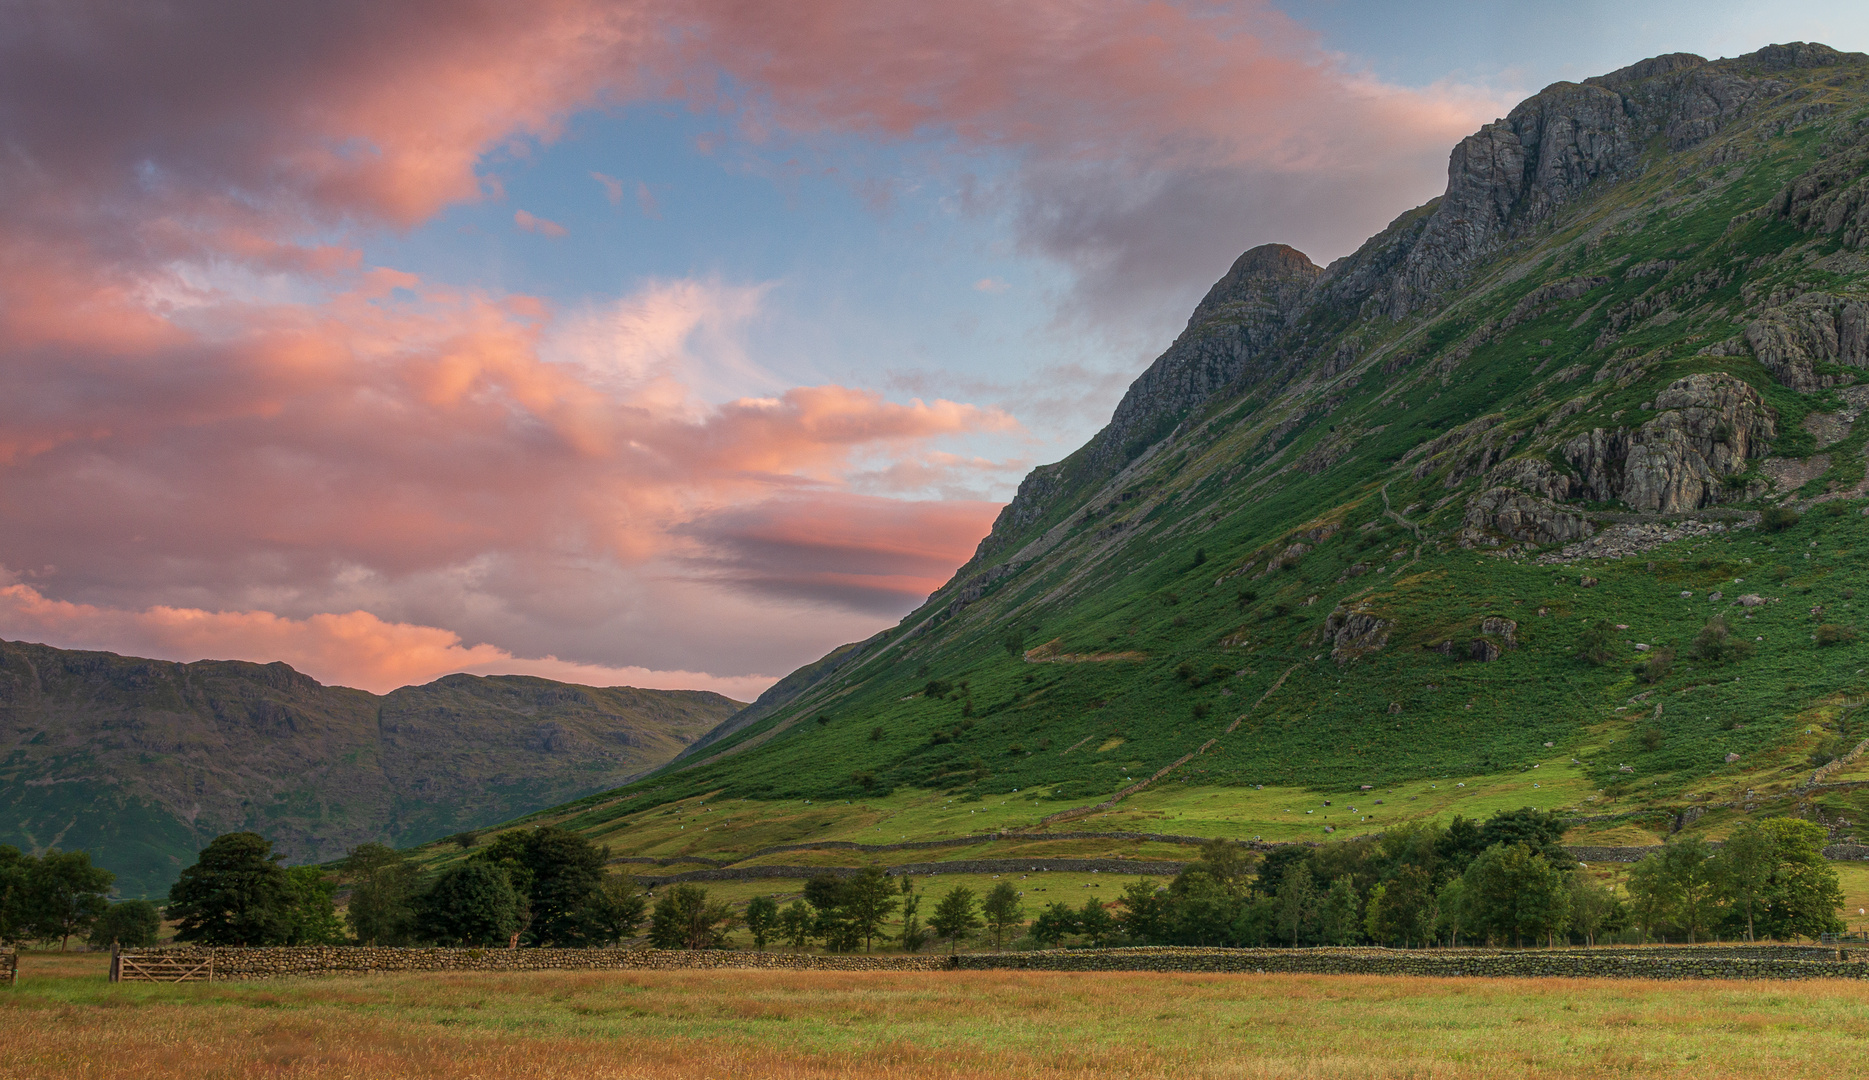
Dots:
{"x": 1356, "y": 525}
{"x": 143, "y": 761}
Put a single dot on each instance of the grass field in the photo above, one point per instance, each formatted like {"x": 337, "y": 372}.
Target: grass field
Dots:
{"x": 65, "y": 1020}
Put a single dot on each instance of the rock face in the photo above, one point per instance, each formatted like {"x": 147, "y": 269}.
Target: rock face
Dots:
{"x": 1706, "y": 427}
{"x": 1815, "y": 328}
{"x": 1522, "y": 517}
{"x": 1353, "y": 632}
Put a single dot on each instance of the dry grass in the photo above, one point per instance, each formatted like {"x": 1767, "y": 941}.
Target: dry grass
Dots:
{"x": 65, "y": 1021}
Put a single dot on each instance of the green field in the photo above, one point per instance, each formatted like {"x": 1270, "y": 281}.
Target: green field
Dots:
{"x": 65, "y": 1020}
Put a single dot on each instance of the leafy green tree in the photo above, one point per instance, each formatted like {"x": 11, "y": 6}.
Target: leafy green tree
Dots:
{"x": 913, "y": 935}
{"x": 868, "y": 901}
{"x": 1460, "y": 844}
{"x": 1146, "y": 912}
{"x": 236, "y": 893}
{"x": 795, "y": 924}
{"x": 686, "y": 919}
{"x": 1004, "y": 912}
{"x": 1095, "y": 923}
{"x": 955, "y": 915}
{"x": 1598, "y": 643}
{"x": 561, "y": 873}
{"x": 1745, "y": 866}
{"x": 1804, "y": 891}
{"x": 1230, "y": 865}
{"x": 311, "y": 908}
{"x": 830, "y": 923}
{"x": 1054, "y": 924}
{"x": 1653, "y": 895}
{"x": 15, "y": 903}
{"x": 1511, "y": 893}
{"x": 1297, "y": 902}
{"x": 1696, "y": 890}
{"x": 613, "y": 912}
{"x": 1199, "y": 910}
{"x": 1593, "y": 908}
{"x": 383, "y": 888}
{"x": 66, "y": 894}
{"x": 470, "y": 904}
{"x": 1399, "y": 909}
{"x": 1451, "y": 911}
{"x": 762, "y": 918}
{"x": 133, "y": 924}
{"x": 1338, "y": 918}
{"x": 1539, "y": 830}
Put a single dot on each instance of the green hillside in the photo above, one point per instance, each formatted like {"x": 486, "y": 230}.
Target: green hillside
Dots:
{"x": 142, "y": 762}
{"x": 1549, "y": 495}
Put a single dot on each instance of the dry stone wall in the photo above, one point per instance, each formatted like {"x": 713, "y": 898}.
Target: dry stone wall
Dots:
{"x": 956, "y": 866}
{"x": 1692, "y": 962}
{"x": 1529, "y": 963}
{"x": 312, "y": 960}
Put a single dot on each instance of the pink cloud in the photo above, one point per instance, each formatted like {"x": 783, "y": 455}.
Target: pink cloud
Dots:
{"x": 352, "y": 648}
{"x": 613, "y": 188}
{"x": 194, "y": 463}
{"x": 647, "y": 202}
{"x": 534, "y": 224}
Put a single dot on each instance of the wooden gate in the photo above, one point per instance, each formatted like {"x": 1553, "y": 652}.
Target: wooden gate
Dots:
{"x": 161, "y": 967}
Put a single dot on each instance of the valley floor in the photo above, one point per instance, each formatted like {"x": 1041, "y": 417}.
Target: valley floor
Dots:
{"x": 65, "y": 1020}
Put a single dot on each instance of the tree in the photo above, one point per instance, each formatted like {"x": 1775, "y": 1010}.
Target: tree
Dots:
{"x": 236, "y": 893}
{"x": 795, "y": 924}
{"x": 1593, "y": 908}
{"x": 1338, "y": 921}
{"x": 954, "y": 916}
{"x": 1598, "y": 643}
{"x": 1451, "y": 917}
{"x": 562, "y": 870}
{"x": 1716, "y": 644}
{"x": 66, "y": 894}
{"x": 134, "y": 924}
{"x": 1003, "y": 912}
{"x": 826, "y": 894}
{"x": 686, "y": 919}
{"x": 470, "y": 904}
{"x": 868, "y": 900}
{"x": 1054, "y": 924}
{"x": 762, "y": 918}
{"x": 383, "y": 887}
{"x": 1653, "y": 894}
{"x": 15, "y": 908}
{"x": 1804, "y": 891}
{"x": 311, "y": 911}
{"x": 1460, "y": 844}
{"x": 1539, "y": 830}
{"x": 1094, "y": 922}
{"x": 1145, "y": 912}
{"x": 613, "y": 912}
{"x": 1297, "y": 901}
{"x": 1511, "y": 892}
{"x": 1688, "y": 861}
{"x": 1229, "y": 865}
{"x": 1745, "y": 866}
{"x": 913, "y": 936}
{"x": 1399, "y": 909}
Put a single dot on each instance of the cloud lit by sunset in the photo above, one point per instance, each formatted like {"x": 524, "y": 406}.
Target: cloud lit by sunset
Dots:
{"x": 670, "y": 344}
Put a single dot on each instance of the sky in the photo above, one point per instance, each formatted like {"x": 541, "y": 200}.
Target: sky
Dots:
{"x": 651, "y": 343}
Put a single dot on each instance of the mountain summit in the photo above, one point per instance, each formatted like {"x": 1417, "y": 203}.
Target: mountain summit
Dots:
{"x": 1559, "y": 468}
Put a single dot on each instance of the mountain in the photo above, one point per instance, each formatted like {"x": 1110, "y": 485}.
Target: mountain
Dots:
{"x": 143, "y": 761}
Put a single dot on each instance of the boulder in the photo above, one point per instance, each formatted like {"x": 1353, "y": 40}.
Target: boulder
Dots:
{"x": 1706, "y": 428}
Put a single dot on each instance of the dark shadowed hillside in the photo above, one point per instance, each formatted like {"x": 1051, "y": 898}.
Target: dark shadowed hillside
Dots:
{"x": 144, "y": 761}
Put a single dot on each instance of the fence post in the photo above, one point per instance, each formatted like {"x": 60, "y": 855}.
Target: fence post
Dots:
{"x": 116, "y": 961}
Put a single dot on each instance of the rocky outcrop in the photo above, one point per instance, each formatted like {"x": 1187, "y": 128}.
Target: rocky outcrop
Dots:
{"x": 1706, "y": 427}
{"x": 1353, "y": 631}
{"x": 1527, "y": 518}
{"x": 1815, "y": 328}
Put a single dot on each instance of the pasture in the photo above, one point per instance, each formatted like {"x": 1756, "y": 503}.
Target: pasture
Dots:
{"x": 65, "y": 1020}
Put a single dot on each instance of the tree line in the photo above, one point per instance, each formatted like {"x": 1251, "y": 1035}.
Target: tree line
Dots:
{"x": 1504, "y": 881}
